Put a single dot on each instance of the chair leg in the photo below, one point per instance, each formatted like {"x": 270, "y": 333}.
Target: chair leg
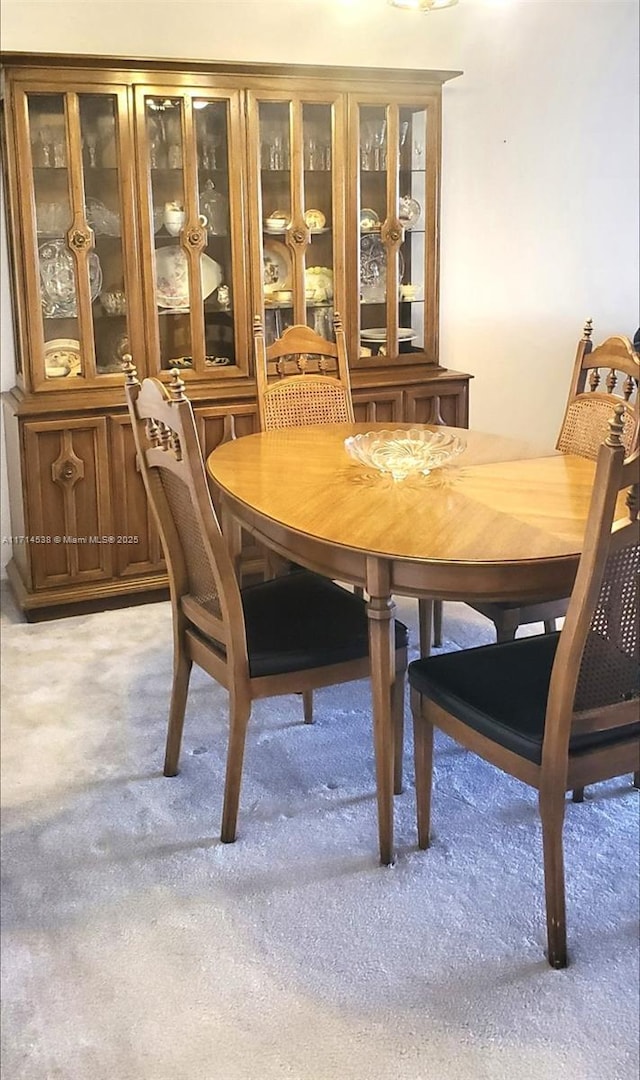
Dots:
{"x": 239, "y": 713}
{"x": 397, "y": 715}
{"x": 505, "y": 631}
{"x": 437, "y": 623}
{"x": 552, "y": 807}
{"x": 423, "y": 756}
{"x": 181, "y": 673}
{"x": 578, "y": 794}
{"x": 636, "y": 779}
{"x": 425, "y": 626}
{"x": 307, "y": 706}
{"x": 549, "y": 626}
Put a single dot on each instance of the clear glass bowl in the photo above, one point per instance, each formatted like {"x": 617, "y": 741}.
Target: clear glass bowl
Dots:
{"x": 403, "y": 453}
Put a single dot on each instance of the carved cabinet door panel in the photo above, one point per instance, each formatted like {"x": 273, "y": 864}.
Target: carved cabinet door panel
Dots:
{"x": 138, "y": 548}
{"x": 218, "y": 423}
{"x": 69, "y": 508}
{"x": 439, "y": 402}
{"x": 385, "y": 406}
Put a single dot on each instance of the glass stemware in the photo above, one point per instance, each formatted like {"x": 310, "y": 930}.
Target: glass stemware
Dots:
{"x": 379, "y": 148}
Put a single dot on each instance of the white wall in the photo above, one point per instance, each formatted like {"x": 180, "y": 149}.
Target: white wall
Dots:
{"x": 540, "y": 158}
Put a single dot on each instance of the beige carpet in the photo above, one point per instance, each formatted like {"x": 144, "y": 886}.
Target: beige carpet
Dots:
{"x": 137, "y": 947}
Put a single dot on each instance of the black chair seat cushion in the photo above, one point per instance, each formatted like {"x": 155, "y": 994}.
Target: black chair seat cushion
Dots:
{"x": 501, "y": 691}
{"x": 302, "y": 620}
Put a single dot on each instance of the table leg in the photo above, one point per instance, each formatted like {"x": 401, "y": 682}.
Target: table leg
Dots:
{"x": 382, "y": 653}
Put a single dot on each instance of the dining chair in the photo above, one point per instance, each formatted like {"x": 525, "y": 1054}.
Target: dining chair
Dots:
{"x": 283, "y": 636}
{"x": 615, "y": 365}
{"x": 302, "y": 378}
{"x": 556, "y": 710}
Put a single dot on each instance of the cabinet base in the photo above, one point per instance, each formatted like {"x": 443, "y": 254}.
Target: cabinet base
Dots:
{"x": 84, "y": 599}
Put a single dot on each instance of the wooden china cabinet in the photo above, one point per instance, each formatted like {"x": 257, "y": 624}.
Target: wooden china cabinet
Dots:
{"x": 155, "y": 208}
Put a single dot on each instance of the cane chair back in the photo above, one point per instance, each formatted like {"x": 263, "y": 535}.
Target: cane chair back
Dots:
{"x": 557, "y": 711}
{"x": 602, "y": 377}
{"x": 302, "y": 378}
{"x": 289, "y": 635}
{"x": 595, "y": 684}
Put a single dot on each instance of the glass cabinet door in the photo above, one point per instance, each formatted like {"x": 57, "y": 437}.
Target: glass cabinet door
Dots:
{"x": 298, "y": 216}
{"x": 394, "y": 154}
{"x": 192, "y": 200}
{"x": 81, "y": 214}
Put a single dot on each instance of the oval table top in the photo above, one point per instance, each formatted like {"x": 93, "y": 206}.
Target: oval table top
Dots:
{"x": 497, "y": 505}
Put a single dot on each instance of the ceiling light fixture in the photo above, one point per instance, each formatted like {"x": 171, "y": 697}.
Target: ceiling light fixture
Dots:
{"x": 422, "y": 5}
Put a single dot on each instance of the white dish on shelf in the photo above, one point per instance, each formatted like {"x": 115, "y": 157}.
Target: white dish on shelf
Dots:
{"x": 276, "y": 264}
{"x": 62, "y": 358}
{"x": 172, "y": 277}
{"x": 379, "y": 334}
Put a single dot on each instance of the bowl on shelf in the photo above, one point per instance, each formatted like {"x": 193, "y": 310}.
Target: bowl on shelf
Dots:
{"x": 174, "y": 218}
{"x": 103, "y": 221}
{"x": 276, "y": 222}
{"x": 404, "y": 452}
{"x": 369, "y": 220}
{"x": 114, "y": 301}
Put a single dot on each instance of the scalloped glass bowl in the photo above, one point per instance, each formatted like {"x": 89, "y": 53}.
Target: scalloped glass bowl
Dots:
{"x": 404, "y": 452}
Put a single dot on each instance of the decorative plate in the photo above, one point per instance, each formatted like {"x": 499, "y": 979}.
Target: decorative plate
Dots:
{"x": 58, "y": 279}
{"x": 62, "y": 358}
{"x": 379, "y": 333}
{"x": 403, "y": 453}
{"x": 315, "y": 220}
{"x": 277, "y": 267}
{"x": 409, "y": 211}
{"x": 172, "y": 277}
{"x": 369, "y": 220}
{"x": 373, "y": 269}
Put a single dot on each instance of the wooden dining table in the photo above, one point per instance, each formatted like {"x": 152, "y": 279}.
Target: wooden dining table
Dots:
{"x": 501, "y": 522}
